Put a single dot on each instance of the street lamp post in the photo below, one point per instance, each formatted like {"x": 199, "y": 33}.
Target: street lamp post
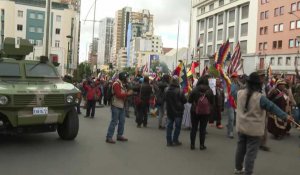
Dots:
{"x": 69, "y": 54}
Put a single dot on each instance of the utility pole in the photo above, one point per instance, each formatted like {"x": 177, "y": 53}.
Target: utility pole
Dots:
{"x": 93, "y": 42}
{"x": 177, "y": 42}
{"x": 47, "y": 28}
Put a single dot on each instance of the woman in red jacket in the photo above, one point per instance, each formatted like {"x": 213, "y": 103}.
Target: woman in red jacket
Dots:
{"x": 93, "y": 94}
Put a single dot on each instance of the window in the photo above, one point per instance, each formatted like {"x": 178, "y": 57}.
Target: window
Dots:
{"x": 39, "y": 42}
{"x": 276, "y": 12}
{"x": 279, "y": 60}
{"x": 272, "y": 61}
{"x": 32, "y": 15}
{"x": 274, "y": 45}
{"x": 10, "y": 69}
{"x": 261, "y": 31}
{"x": 231, "y": 47}
{"x": 210, "y": 36}
{"x": 263, "y": 1}
{"x": 298, "y": 5}
{"x": 220, "y": 34}
{"x": 57, "y": 31}
{"x": 19, "y": 27}
{"x": 298, "y": 24}
{"x": 231, "y": 16}
{"x": 280, "y": 44}
{"x": 20, "y": 13}
{"x": 244, "y": 29}
{"x": 231, "y": 32}
{"x": 296, "y": 43}
{"x": 31, "y": 41}
{"x": 40, "y": 70}
{"x": 221, "y": 2}
{"x": 276, "y": 28}
{"x": 266, "y": 14}
{"x": 201, "y": 38}
{"x": 211, "y": 6}
{"x": 281, "y": 10}
{"x": 291, "y": 43}
{"x": 31, "y": 29}
{"x": 280, "y": 27}
{"x": 58, "y": 18}
{"x": 243, "y": 46}
{"x": 218, "y": 46}
{"x": 292, "y": 25}
{"x": 206, "y": 62}
{"x": 202, "y": 10}
{"x": 260, "y": 46}
{"x": 201, "y": 51}
{"x": 201, "y": 25}
{"x": 265, "y": 45}
{"x": 266, "y": 30}
{"x": 57, "y": 43}
{"x": 39, "y": 30}
{"x": 262, "y": 15}
{"x": 40, "y": 16}
{"x": 209, "y": 49}
{"x": 293, "y": 7}
{"x": 220, "y": 19}
{"x": 288, "y": 61}
{"x": 245, "y": 12}
{"x": 210, "y": 23}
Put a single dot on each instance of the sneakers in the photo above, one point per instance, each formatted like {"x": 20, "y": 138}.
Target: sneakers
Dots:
{"x": 122, "y": 139}
{"x": 202, "y": 147}
{"x": 264, "y": 148}
{"x": 220, "y": 126}
{"x": 192, "y": 147}
{"x": 177, "y": 143}
{"x": 111, "y": 141}
{"x": 230, "y": 135}
{"x": 239, "y": 171}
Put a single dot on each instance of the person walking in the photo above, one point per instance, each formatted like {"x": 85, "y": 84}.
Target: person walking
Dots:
{"x": 202, "y": 99}
{"x": 162, "y": 85}
{"x": 120, "y": 94}
{"x": 219, "y": 101}
{"x": 250, "y": 123}
{"x": 175, "y": 101}
{"x": 93, "y": 94}
{"x": 143, "y": 108}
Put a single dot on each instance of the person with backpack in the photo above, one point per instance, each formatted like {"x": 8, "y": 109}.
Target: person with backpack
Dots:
{"x": 250, "y": 123}
{"x": 175, "y": 100}
{"x": 119, "y": 96}
{"x": 93, "y": 94}
{"x": 202, "y": 99}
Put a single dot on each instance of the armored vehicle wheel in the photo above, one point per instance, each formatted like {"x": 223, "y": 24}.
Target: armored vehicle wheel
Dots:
{"x": 69, "y": 129}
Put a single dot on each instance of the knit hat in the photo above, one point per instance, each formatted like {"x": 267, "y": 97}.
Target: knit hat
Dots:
{"x": 253, "y": 78}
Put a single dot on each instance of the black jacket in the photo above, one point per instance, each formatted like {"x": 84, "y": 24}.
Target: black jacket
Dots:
{"x": 146, "y": 92}
{"x": 175, "y": 101}
{"x": 196, "y": 93}
{"x": 162, "y": 85}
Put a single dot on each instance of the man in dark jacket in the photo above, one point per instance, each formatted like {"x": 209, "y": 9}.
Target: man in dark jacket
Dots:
{"x": 175, "y": 101}
{"x": 162, "y": 85}
{"x": 143, "y": 107}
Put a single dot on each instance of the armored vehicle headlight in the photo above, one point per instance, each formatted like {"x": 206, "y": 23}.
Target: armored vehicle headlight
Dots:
{"x": 70, "y": 99}
{"x": 3, "y": 100}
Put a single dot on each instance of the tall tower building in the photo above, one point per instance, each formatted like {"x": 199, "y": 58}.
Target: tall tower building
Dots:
{"x": 141, "y": 24}
{"x": 105, "y": 41}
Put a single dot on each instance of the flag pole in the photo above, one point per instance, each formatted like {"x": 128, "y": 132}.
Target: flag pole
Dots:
{"x": 177, "y": 42}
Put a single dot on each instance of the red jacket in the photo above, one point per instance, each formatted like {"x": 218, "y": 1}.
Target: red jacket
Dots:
{"x": 117, "y": 91}
{"x": 91, "y": 92}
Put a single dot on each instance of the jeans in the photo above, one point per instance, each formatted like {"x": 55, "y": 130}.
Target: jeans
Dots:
{"x": 296, "y": 114}
{"x": 117, "y": 118}
{"x": 171, "y": 121}
{"x": 230, "y": 123}
{"x": 246, "y": 152}
{"x": 91, "y": 104}
{"x": 196, "y": 119}
{"x": 161, "y": 113}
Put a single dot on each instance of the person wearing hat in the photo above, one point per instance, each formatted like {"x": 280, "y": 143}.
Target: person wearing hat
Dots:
{"x": 279, "y": 96}
{"x": 120, "y": 94}
{"x": 250, "y": 123}
{"x": 231, "y": 110}
{"x": 175, "y": 100}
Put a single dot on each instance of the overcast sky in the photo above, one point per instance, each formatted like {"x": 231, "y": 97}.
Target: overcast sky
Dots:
{"x": 166, "y": 13}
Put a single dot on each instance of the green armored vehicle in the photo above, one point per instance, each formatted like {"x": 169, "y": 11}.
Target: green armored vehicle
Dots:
{"x": 33, "y": 97}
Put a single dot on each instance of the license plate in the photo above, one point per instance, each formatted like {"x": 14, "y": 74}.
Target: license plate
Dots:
{"x": 40, "y": 111}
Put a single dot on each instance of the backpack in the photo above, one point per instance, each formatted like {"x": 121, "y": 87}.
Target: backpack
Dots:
{"x": 203, "y": 106}
{"x": 110, "y": 93}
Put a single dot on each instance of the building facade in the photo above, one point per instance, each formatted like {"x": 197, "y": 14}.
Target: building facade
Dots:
{"x": 215, "y": 21}
{"x": 141, "y": 23}
{"x": 105, "y": 41}
{"x": 278, "y": 35}
{"x": 27, "y": 19}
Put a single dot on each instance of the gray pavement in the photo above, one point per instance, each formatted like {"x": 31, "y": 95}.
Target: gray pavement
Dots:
{"x": 145, "y": 153}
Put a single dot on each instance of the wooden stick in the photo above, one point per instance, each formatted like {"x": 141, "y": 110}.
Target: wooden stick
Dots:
{"x": 295, "y": 123}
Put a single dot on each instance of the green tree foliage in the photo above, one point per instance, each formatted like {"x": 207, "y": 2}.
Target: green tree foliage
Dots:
{"x": 129, "y": 70}
{"x": 83, "y": 71}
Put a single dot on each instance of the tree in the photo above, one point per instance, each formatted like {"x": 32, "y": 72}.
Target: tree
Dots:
{"x": 164, "y": 67}
{"x": 83, "y": 71}
{"x": 129, "y": 70}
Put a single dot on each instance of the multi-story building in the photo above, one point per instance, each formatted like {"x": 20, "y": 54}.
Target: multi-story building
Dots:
{"x": 215, "y": 21}
{"x": 278, "y": 35}
{"x": 93, "y": 51}
{"x": 27, "y": 19}
{"x": 141, "y": 24}
{"x": 105, "y": 41}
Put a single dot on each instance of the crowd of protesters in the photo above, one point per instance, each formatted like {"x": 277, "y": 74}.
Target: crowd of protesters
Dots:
{"x": 264, "y": 105}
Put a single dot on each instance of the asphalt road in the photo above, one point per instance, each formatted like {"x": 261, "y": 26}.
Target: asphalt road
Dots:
{"x": 145, "y": 153}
